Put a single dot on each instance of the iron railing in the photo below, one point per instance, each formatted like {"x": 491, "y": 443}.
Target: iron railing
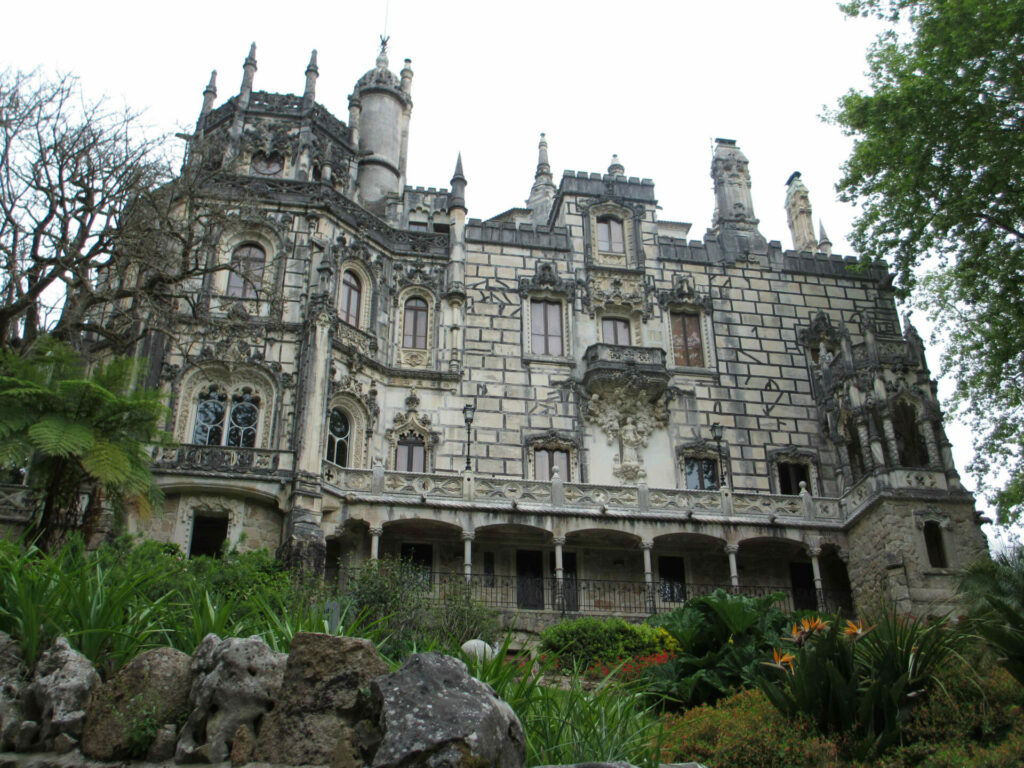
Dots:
{"x": 610, "y": 597}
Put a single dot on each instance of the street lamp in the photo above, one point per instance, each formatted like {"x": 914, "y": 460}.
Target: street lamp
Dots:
{"x": 716, "y": 433}
{"x": 468, "y": 411}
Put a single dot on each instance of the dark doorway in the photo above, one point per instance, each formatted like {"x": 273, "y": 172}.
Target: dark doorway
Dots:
{"x": 529, "y": 579}
{"x": 801, "y": 576}
{"x": 672, "y": 572}
{"x": 570, "y": 594}
{"x": 208, "y": 536}
{"x": 420, "y": 555}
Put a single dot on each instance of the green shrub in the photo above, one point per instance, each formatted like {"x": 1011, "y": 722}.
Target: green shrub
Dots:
{"x": 722, "y": 639}
{"x": 582, "y": 643}
{"x": 457, "y": 617}
{"x": 395, "y": 594}
{"x": 744, "y": 729}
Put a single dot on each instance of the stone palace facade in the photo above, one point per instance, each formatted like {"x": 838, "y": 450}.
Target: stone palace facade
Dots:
{"x": 572, "y": 405}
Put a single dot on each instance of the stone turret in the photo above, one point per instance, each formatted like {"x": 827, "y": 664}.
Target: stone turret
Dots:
{"x": 798, "y": 213}
{"x": 312, "y": 72}
{"x": 734, "y": 204}
{"x": 379, "y": 111}
{"x": 616, "y": 168}
{"x": 543, "y": 192}
{"x": 244, "y": 94}
{"x": 209, "y": 97}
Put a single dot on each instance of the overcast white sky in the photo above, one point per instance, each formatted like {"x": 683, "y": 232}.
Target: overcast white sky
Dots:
{"x": 655, "y": 82}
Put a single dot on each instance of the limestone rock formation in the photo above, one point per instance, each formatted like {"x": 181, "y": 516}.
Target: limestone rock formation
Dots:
{"x": 434, "y": 714}
{"x": 235, "y": 682}
{"x": 321, "y": 702}
{"x": 58, "y": 694}
{"x": 13, "y": 676}
{"x": 153, "y": 686}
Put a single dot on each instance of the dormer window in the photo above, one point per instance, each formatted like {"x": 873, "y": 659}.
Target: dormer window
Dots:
{"x": 609, "y": 235}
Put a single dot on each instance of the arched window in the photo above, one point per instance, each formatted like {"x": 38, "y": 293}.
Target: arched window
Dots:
{"x": 246, "y": 276}
{"x": 351, "y": 295}
{"x": 609, "y": 235}
{"x": 339, "y": 429}
{"x": 415, "y": 325}
{"x": 410, "y": 453}
{"x": 912, "y": 450}
{"x": 934, "y": 544}
{"x": 219, "y": 424}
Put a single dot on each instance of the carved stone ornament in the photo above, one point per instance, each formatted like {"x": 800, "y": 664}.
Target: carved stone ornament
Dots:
{"x": 546, "y": 279}
{"x": 347, "y": 384}
{"x": 418, "y": 274}
{"x": 684, "y": 292}
{"x": 268, "y": 137}
{"x": 922, "y": 516}
{"x": 821, "y": 330}
{"x": 619, "y": 290}
{"x": 627, "y": 420}
{"x": 413, "y": 421}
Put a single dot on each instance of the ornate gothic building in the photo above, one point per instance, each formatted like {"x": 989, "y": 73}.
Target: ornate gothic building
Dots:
{"x": 572, "y": 405}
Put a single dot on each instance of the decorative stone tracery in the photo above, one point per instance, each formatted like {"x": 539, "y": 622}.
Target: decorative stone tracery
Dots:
{"x": 627, "y": 420}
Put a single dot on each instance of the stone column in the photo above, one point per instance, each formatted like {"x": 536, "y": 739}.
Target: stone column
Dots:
{"x": 819, "y": 596}
{"x": 375, "y": 533}
{"x": 890, "y": 438}
{"x": 874, "y": 440}
{"x": 867, "y": 452}
{"x": 734, "y": 572}
{"x": 647, "y": 545}
{"x": 559, "y": 542}
{"x": 467, "y": 554}
{"x": 926, "y": 427}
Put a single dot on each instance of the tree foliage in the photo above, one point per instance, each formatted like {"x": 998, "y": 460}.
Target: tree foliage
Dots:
{"x": 99, "y": 239}
{"x": 82, "y": 439}
{"x": 938, "y": 170}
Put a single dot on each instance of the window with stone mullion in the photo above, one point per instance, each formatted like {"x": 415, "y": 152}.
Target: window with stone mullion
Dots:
{"x": 545, "y": 459}
{"x": 701, "y": 474}
{"x": 415, "y": 325}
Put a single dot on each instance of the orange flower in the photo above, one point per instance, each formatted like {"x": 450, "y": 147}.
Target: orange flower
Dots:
{"x": 856, "y": 630}
{"x": 782, "y": 660}
{"x": 807, "y": 628}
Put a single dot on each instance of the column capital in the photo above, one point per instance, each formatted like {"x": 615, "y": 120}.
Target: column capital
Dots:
{"x": 731, "y": 549}
{"x": 647, "y": 544}
{"x": 467, "y": 535}
{"x": 814, "y": 551}
{"x": 376, "y": 530}
{"x": 559, "y": 541}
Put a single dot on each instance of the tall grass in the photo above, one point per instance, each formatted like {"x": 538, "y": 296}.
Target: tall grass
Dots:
{"x": 565, "y": 723}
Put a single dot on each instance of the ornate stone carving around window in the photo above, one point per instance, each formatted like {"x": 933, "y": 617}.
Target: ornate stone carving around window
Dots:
{"x": 627, "y": 291}
{"x": 546, "y": 279}
{"x": 420, "y": 424}
{"x": 684, "y": 293}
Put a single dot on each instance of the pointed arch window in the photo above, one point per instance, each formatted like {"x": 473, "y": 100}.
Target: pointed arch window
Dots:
{"x": 911, "y": 447}
{"x": 351, "y": 298}
{"x": 339, "y": 432}
{"x": 415, "y": 324}
{"x": 246, "y": 276}
{"x": 230, "y": 422}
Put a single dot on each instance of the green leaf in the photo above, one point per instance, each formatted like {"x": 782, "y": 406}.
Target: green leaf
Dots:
{"x": 56, "y": 436}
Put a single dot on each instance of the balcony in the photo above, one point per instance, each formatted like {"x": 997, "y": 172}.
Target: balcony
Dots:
{"x": 603, "y": 597}
{"x": 222, "y": 459}
{"x": 611, "y": 366}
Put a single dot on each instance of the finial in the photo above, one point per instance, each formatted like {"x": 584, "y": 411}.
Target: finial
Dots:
{"x": 251, "y": 58}
{"x": 824, "y": 244}
{"x": 616, "y": 168}
{"x": 312, "y": 63}
{"x": 382, "y": 57}
{"x": 209, "y": 96}
{"x": 457, "y": 198}
{"x": 211, "y": 87}
{"x": 543, "y": 167}
{"x": 309, "y": 94}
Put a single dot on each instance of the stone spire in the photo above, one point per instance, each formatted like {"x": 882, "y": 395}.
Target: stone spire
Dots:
{"x": 616, "y": 168}
{"x": 248, "y": 74}
{"x": 406, "y": 77}
{"x": 209, "y": 95}
{"x": 824, "y": 244}
{"x": 734, "y": 205}
{"x": 457, "y": 198}
{"x": 309, "y": 94}
{"x": 798, "y": 213}
{"x": 543, "y": 192}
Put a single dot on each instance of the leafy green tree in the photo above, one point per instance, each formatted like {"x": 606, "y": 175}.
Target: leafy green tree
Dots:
{"x": 938, "y": 170}
{"x": 81, "y": 437}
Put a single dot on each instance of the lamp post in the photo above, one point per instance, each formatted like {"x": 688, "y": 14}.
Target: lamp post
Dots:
{"x": 716, "y": 433}
{"x": 468, "y": 411}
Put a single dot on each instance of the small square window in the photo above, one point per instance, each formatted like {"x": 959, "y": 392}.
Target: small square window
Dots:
{"x": 791, "y": 474}
{"x": 701, "y": 473}
{"x": 615, "y": 330}
{"x": 546, "y": 459}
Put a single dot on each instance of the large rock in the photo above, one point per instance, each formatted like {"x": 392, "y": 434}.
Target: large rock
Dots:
{"x": 13, "y": 677}
{"x": 150, "y": 691}
{"x": 58, "y": 694}
{"x": 235, "y": 682}
{"x": 321, "y": 702}
{"x": 434, "y": 714}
